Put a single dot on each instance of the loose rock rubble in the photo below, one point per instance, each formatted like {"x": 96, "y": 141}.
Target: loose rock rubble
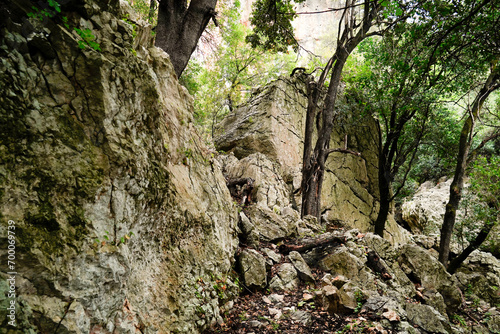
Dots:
{"x": 304, "y": 276}
{"x": 361, "y": 284}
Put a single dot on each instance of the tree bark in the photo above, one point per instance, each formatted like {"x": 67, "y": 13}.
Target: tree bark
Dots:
{"x": 314, "y": 169}
{"x": 480, "y": 238}
{"x": 180, "y": 27}
{"x": 385, "y": 196}
{"x": 314, "y": 161}
{"x": 465, "y": 142}
{"x": 307, "y": 161}
{"x": 310, "y": 244}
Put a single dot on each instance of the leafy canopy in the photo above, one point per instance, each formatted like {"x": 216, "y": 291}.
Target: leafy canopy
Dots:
{"x": 272, "y": 25}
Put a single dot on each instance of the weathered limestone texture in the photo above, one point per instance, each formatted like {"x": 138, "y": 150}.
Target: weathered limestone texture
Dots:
{"x": 122, "y": 217}
{"x": 272, "y": 123}
{"x": 424, "y": 214}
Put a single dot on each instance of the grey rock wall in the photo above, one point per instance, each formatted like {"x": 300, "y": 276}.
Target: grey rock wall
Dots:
{"x": 122, "y": 217}
{"x": 272, "y": 123}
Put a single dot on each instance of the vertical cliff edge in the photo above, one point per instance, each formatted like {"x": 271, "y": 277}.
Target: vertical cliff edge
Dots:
{"x": 123, "y": 222}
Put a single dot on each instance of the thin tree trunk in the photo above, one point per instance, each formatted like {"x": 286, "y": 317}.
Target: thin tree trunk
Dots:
{"x": 456, "y": 187}
{"x": 307, "y": 161}
{"x": 314, "y": 169}
{"x": 314, "y": 162}
{"x": 480, "y": 238}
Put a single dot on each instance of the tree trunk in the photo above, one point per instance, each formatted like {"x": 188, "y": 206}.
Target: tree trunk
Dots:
{"x": 385, "y": 200}
{"x": 457, "y": 184}
{"x": 314, "y": 167}
{"x": 180, "y": 27}
{"x": 384, "y": 184}
{"x": 480, "y": 238}
{"x": 308, "y": 199}
{"x": 314, "y": 162}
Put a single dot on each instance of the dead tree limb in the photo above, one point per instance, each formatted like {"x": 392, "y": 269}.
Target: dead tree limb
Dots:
{"x": 306, "y": 245}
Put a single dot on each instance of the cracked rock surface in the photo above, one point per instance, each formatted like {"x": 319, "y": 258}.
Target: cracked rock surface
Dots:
{"x": 102, "y": 172}
{"x": 271, "y": 124}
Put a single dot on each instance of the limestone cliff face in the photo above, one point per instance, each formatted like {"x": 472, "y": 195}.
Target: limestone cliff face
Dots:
{"x": 122, "y": 216}
{"x": 272, "y": 123}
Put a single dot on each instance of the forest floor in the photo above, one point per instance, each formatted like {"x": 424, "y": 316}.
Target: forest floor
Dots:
{"x": 293, "y": 312}
{"x": 290, "y": 312}
{"x": 298, "y": 311}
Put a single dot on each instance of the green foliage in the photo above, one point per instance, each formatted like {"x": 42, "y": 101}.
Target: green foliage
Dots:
{"x": 359, "y": 300}
{"x": 243, "y": 316}
{"x": 49, "y": 11}
{"x": 412, "y": 87}
{"x": 481, "y": 203}
{"x": 133, "y": 25}
{"x": 386, "y": 80}
{"x": 391, "y": 9}
{"x": 458, "y": 319}
{"x": 147, "y": 10}
{"x": 229, "y": 75}
{"x": 220, "y": 287}
{"x": 87, "y": 39}
{"x": 272, "y": 25}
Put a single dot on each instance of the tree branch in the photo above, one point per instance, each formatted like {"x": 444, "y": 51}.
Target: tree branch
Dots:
{"x": 475, "y": 152}
{"x": 342, "y": 150}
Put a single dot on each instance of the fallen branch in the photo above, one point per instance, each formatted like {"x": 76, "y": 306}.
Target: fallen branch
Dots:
{"x": 310, "y": 244}
{"x": 343, "y": 150}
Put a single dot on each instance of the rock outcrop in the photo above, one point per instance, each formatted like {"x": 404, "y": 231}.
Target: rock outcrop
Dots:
{"x": 122, "y": 218}
{"x": 271, "y": 124}
{"x": 424, "y": 214}
{"x": 412, "y": 294}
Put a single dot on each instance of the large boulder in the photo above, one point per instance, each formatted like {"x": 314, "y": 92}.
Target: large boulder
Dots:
{"x": 479, "y": 277}
{"x": 121, "y": 214}
{"x": 286, "y": 278}
{"x": 424, "y": 212}
{"x": 269, "y": 187}
{"x": 303, "y": 269}
{"x": 253, "y": 268}
{"x": 350, "y": 191}
{"x": 424, "y": 269}
{"x": 427, "y": 318}
{"x": 272, "y": 123}
{"x": 382, "y": 304}
{"x": 268, "y": 206}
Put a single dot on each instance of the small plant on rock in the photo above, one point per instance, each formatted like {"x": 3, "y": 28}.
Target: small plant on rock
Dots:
{"x": 87, "y": 39}
{"x": 458, "y": 319}
{"x": 359, "y": 301}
